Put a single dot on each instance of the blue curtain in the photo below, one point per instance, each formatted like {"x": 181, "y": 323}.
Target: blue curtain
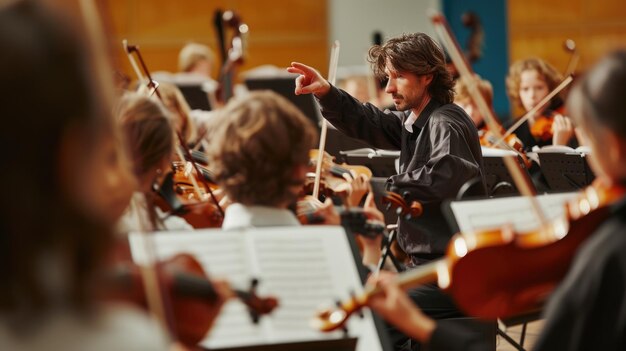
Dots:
{"x": 493, "y": 65}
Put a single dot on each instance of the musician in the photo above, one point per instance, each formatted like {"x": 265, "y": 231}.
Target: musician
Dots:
{"x": 587, "y": 311}
{"x": 149, "y": 139}
{"x": 464, "y": 99}
{"x": 528, "y": 82}
{"x": 65, "y": 187}
{"x": 196, "y": 59}
{"x": 438, "y": 141}
{"x": 178, "y": 107}
{"x": 261, "y": 176}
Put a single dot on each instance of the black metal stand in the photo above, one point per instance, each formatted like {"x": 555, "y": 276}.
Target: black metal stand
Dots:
{"x": 565, "y": 171}
{"x": 510, "y": 340}
{"x": 517, "y": 320}
{"x": 386, "y": 253}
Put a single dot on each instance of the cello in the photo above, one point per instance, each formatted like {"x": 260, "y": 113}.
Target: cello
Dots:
{"x": 232, "y": 57}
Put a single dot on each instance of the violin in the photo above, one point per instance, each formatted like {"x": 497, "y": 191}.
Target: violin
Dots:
{"x": 529, "y": 265}
{"x": 183, "y": 171}
{"x": 542, "y": 128}
{"x": 178, "y": 197}
{"x": 334, "y": 175}
{"x": 199, "y": 206}
{"x": 338, "y": 170}
{"x": 191, "y": 295}
{"x": 487, "y": 139}
{"x": 397, "y": 202}
{"x": 513, "y": 143}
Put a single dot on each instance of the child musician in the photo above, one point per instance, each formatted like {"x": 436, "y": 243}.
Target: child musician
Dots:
{"x": 528, "y": 82}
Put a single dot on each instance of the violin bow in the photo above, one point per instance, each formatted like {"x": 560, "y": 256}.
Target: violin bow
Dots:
{"x": 97, "y": 45}
{"x": 521, "y": 179}
{"x": 132, "y": 61}
{"x": 199, "y": 173}
{"x": 130, "y": 49}
{"x": 332, "y": 77}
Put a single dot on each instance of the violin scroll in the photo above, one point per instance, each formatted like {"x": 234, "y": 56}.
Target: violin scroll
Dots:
{"x": 257, "y": 306}
{"x": 331, "y": 319}
{"x": 398, "y": 202}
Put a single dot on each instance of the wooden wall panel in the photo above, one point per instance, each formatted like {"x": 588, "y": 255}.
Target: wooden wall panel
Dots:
{"x": 280, "y": 31}
{"x": 539, "y": 28}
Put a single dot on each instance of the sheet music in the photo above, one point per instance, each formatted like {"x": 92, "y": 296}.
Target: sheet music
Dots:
{"x": 490, "y": 213}
{"x": 304, "y": 267}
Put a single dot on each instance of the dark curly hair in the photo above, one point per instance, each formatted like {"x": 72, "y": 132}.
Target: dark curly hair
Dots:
{"x": 419, "y": 54}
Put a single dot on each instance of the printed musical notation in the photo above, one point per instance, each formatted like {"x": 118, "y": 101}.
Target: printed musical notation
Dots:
{"x": 304, "y": 267}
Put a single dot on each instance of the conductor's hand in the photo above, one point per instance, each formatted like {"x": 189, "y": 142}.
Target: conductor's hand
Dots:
{"x": 310, "y": 80}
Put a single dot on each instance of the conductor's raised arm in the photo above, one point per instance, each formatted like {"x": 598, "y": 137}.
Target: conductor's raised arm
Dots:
{"x": 310, "y": 80}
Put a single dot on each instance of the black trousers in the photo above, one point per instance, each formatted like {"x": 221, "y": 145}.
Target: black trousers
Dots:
{"x": 435, "y": 304}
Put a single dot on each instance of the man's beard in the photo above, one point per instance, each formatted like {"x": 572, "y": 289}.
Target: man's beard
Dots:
{"x": 403, "y": 104}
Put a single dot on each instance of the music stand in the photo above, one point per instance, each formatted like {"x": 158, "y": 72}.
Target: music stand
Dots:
{"x": 380, "y": 165}
{"x": 337, "y": 141}
{"x": 194, "y": 87}
{"x": 345, "y": 344}
{"x": 497, "y": 176}
{"x": 470, "y": 215}
{"x": 565, "y": 171}
{"x": 488, "y": 329}
{"x": 286, "y": 86}
{"x": 195, "y": 95}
